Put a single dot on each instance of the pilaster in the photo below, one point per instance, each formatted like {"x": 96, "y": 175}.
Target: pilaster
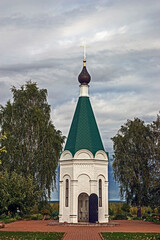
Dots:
{"x": 106, "y": 200}
{"x": 74, "y": 202}
{"x": 61, "y": 199}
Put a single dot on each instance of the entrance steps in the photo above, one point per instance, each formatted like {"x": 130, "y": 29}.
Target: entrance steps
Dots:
{"x": 83, "y": 224}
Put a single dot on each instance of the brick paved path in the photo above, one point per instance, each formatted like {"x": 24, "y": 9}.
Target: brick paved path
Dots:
{"x": 82, "y": 232}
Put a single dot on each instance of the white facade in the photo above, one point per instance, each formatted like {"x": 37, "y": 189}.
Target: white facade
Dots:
{"x": 81, "y": 174}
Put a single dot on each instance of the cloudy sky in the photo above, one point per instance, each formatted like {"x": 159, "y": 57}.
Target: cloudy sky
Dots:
{"x": 40, "y": 40}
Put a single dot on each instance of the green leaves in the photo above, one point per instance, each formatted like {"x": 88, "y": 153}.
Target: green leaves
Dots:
{"x": 2, "y": 149}
{"x": 17, "y": 192}
{"x": 135, "y": 160}
{"x": 33, "y": 144}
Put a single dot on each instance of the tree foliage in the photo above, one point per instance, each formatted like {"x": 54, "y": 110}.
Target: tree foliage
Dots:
{"x": 33, "y": 144}
{"x": 17, "y": 192}
{"x": 2, "y": 149}
{"x": 133, "y": 158}
{"x": 154, "y": 189}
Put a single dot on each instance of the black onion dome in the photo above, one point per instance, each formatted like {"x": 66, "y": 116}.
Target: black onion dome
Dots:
{"x": 84, "y": 78}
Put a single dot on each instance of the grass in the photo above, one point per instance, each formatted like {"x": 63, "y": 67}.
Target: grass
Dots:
{"x": 130, "y": 236}
{"x": 31, "y": 236}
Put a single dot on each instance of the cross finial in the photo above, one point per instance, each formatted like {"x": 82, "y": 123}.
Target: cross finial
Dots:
{"x": 84, "y": 52}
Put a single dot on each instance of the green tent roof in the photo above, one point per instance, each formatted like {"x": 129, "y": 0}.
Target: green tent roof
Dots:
{"x": 84, "y": 133}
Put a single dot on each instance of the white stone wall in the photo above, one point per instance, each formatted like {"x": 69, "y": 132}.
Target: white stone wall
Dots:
{"x": 83, "y": 171}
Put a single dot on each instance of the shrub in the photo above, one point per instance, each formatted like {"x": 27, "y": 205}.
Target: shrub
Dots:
{"x": 9, "y": 220}
{"x": 129, "y": 215}
{"x": 146, "y": 210}
{"x": 18, "y": 193}
{"x": 18, "y": 218}
{"x": 133, "y": 210}
{"x": 3, "y": 216}
{"x": 156, "y": 219}
{"x": 152, "y": 218}
{"x": 34, "y": 210}
{"x": 115, "y": 208}
{"x": 125, "y": 207}
{"x": 136, "y": 218}
{"x": 34, "y": 217}
{"x": 55, "y": 214}
{"x": 45, "y": 212}
{"x": 120, "y": 217}
{"x": 155, "y": 210}
{"x": 54, "y": 206}
{"x": 118, "y": 208}
{"x": 111, "y": 212}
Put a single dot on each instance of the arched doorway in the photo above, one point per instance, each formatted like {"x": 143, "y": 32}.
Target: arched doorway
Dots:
{"x": 93, "y": 208}
{"x": 83, "y": 207}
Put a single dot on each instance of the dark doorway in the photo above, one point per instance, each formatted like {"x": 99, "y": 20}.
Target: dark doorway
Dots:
{"x": 93, "y": 208}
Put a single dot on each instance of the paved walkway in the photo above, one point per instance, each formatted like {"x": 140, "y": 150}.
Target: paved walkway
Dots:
{"x": 82, "y": 232}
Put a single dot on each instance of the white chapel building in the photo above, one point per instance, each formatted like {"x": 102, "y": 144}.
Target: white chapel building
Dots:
{"x": 83, "y": 165}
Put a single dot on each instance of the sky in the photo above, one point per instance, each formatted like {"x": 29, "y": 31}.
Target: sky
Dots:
{"x": 41, "y": 41}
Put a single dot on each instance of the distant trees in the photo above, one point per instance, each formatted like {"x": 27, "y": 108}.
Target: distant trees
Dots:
{"x": 33, "y": 144}
{"x": 136, "y": 162}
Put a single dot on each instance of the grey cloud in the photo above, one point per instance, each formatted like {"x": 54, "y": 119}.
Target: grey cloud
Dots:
{"x": 41, "y": 21}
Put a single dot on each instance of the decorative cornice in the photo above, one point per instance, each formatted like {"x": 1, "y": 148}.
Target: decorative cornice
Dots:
{"x": 84, "y": 154}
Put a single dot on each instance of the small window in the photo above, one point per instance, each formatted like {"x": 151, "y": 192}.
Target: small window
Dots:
{"x": 67, "y": 193}
{"x": 100, "y": 193}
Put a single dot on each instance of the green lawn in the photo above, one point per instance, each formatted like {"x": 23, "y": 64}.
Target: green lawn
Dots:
{"x": 131, "y": 236}
{"x": 30, "y": 236}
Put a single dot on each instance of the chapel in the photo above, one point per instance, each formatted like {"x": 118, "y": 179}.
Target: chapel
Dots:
{"x": 83, "y": 195}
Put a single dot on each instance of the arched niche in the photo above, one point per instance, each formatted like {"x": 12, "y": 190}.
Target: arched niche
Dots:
{"x": 101, "y": 155}
{"x": 83, "y": 154}
{"x": 66, "y": 155}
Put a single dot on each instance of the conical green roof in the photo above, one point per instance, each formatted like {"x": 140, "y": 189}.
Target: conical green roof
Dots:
{"x": 84, "y": 133}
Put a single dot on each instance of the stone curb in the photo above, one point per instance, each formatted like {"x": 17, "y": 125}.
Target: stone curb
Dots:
{"x": 65, "y": 234}
{"x": 101, "y": 236}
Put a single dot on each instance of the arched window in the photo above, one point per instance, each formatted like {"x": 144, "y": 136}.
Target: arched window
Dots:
{"x": 100, "y": 193}
{"x": 67, "y": 193}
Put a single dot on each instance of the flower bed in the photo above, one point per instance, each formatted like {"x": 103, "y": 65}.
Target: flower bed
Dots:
{"x": 154, "y": 219}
